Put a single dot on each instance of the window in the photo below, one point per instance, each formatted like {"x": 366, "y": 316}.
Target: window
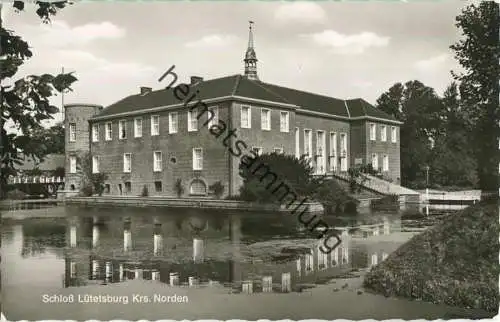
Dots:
{"x": 284, "y": 121}
{"x": 138, "y": 127}
{"x": 213, "y": 119}
{"x": 374, "y": 161}
{"x": 122, "y": 129}
{"x": 385, "y": 163}
{"x": 192, "y": 120}
{"x": 158, "y": 186}
{"x": 333, "y": 151}
{"x": 127, "y": 162}
{"x": 72, "y": 164}
{"x": 157, "y": 161}
{"x": 246, "y": 117}
{"x": 278, "y": 150}
{"x": 307, "y": 143}
{"x": 95, "y": 164}
{"x": 297, "y": 143}
{"x": 373, "y": 132}
{"x": 257, "y": 150}
{"x": 393, "y": 134}
{"x": 172, "y": 122}
{"x": 128, "y": 186}
{"x": 95, "y": 133}
{"x": 383, "y": 133}
{"x": 72, "y": 132}
{"x": 197, "y": 159}
{"x": 155, "y": 125}
{"x": 109, "y": 131}
{"x": 265, "y": 119}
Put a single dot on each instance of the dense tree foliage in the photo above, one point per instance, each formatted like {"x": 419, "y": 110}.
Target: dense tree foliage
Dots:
{"x": 478, "y": 52}
{"x": 50, "y": 140}
{"x": 25, "y": 102}
{"x": 262, "y": 174}
{"x": 421, "y": 111}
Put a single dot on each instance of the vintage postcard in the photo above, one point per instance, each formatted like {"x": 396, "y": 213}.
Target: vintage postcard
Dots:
{"x": 249, "y": 160}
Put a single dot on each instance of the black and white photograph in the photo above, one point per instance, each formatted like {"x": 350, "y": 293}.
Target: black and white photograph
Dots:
{"x": 221, "y": 160}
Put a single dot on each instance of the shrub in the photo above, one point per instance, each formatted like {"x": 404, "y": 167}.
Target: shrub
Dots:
{"x": 217, "y": 188}
{"x": 145, "y": 191}
{"x": 262, "y": 174}
{"x": 16, "y": 194}
{"x": 178, "y": 187}
{"x": 334, "y": 198}
{"x": 92, "y": 183}
{"x": 86, "y": 190}
{"x": 455, "y": 262}
{"x": 97, "y": 181}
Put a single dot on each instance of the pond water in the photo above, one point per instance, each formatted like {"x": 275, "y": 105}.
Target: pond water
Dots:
{"x": 201, "y": 254}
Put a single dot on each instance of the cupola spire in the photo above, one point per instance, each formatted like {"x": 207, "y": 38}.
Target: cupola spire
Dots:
{"x": 250, "y": 56}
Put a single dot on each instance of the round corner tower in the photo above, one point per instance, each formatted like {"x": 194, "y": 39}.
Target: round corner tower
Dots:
{"x": 77, "y": 139}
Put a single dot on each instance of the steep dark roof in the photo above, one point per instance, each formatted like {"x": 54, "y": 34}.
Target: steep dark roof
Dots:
{"x": 360, "y": 107}
{"x": 237, "y": 85}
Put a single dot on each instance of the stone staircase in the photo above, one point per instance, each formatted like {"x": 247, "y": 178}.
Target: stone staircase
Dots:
{"x": 383, "y": 187}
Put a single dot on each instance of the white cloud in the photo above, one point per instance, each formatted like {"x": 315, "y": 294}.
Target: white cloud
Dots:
{"x": 212, "y": 41}
{"x": 59, "y": 34}
{"x": 430, "y": 64}
{"x": 300, "y": 12}
{"x": 362, "y": 84}
{"x": 348, "y": 44}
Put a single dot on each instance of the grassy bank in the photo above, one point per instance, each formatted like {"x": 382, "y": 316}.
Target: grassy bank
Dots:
{"x": 455, "y": 262}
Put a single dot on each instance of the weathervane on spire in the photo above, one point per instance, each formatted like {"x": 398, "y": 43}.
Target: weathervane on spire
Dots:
{"x": 250, "y": 56}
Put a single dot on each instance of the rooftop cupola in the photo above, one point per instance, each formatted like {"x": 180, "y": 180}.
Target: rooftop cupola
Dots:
{"x": 250, "y": 57}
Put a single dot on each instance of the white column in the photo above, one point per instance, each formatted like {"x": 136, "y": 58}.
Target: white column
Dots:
{"x": 137, "y": 275}
{"x": 174, "y": 279}
{"x": 387, "y": 226}
{"x": 157, "y": 244}
{"x": 310, "y": 262}
{"x": 299, "y": 266}
{"x": 72, "y": 269}
{"x": 247, "y": 287}
{"x": 122, "y": 275}
{"x": 193, "y": 281}
{"x": 95, "y": 269}
{"x": 127, "y": 240}
{"x": 198, "y": 250}
{"x": 72, "y": 236}
{"x": 286, "y": 282}
{"x": 95, "y": 235}
{"x": 345, "y": 246}
{"x": 155, "y": 275}
{"x": 267, "y": 284}
{"x": 335, "y": 257}
{"x": 376, "y": 231}
{"x": 109, "y": 272}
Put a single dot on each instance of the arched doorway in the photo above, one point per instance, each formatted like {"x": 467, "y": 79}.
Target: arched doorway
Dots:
{"x": 197, "y": 188}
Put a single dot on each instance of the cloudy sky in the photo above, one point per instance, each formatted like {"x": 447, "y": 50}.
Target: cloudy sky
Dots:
{"x": 341, "y": 49}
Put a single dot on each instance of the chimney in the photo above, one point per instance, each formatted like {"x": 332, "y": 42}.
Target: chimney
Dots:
{"x": 196, "y": 79}
{"x": 145, "y": 90}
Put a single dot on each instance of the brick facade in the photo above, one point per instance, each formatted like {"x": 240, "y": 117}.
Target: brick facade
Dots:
{"x": 218, "y": 163}
{"x": 77, "y": 117}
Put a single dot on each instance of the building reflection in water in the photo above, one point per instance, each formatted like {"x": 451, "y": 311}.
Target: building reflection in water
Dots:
{"x": 170, "y": 264}
{"x": 127, "y": 235}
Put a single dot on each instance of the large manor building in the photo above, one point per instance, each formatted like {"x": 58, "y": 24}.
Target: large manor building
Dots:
{"x": 155, "y": 138}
